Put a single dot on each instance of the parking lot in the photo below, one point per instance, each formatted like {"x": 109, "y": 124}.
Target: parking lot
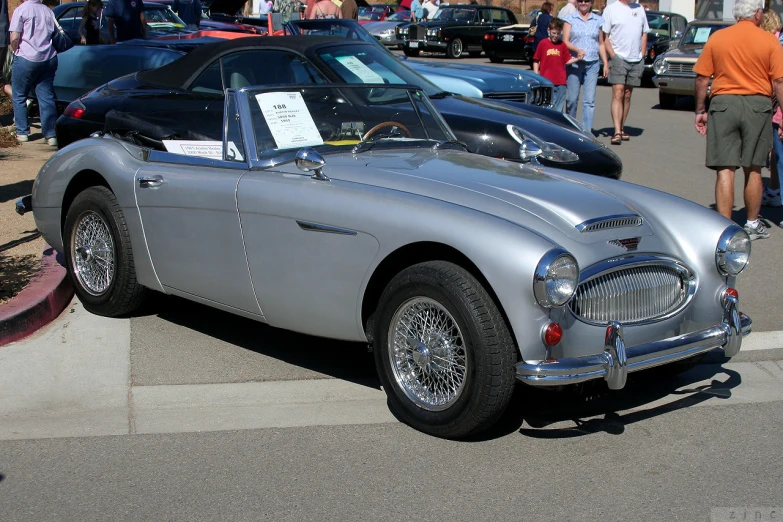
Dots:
{"x": 185, "y": 412}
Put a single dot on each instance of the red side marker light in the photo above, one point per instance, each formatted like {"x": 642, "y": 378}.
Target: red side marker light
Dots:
{"x": 553, "y": 334}
{"x": 74, "y": 112}
{"x": 732, "y": 292}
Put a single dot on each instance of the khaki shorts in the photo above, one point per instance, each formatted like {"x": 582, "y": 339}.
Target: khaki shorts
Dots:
{"x": 625, "y": 73}
{"x": 739, "y": 131}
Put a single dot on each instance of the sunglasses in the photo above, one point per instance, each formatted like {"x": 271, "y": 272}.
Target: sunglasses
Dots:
{"x": 584, "y": 1}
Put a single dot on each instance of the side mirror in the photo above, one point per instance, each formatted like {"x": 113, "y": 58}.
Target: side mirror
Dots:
{"x": 529, "y": 151}
{"x": 308, "y": 159}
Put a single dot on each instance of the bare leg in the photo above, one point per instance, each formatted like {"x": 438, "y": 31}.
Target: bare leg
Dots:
{"x": 626, "y": 102}
{"x": 753, "y": 188}
{"x": 617, "y": 107}
{"x": 724, "y": 192}
{"x": 7, "y": 89}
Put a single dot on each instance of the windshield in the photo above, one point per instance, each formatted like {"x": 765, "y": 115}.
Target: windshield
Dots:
{"x": 399, "y": 16}
{"x": 698, "y": 34}
{"x": 456, "y": 14}
{"x": 659, "y": 24}
{"x": 163, "y": 17}
{"x": 331, "y": 118}
{"x": 365, "y": 64}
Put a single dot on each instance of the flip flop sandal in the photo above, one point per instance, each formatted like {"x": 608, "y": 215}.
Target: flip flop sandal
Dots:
{"x": 617, "y": 139}
{"x": 624, "y": 136}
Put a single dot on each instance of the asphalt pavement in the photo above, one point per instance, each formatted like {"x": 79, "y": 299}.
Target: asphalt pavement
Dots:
{"x": 183, "y": 412}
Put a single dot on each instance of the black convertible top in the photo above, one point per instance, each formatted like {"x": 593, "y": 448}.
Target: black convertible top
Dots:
{"x": 180, "y": 73}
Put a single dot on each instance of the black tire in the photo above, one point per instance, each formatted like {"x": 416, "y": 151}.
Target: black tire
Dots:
{"x": 474, "y": 54}
{"x": 484, "y": 367}
{"x": 455, "y": 49}
{"x": 411, "y": 52}
{"x": 496, "y": 59}
{"x": 666, "y": 100}
{"x": 122, "y": 293}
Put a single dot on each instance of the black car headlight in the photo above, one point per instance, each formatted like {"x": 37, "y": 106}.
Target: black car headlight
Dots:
{"x": 733, "y": 251}
{"x": 556, "y": 278}
{"x": 660, "y": 66}
{"x": 549, "y": 150}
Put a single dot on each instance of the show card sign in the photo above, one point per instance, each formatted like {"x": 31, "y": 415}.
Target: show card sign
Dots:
{"x": 365, "y": 74}
{"x": 289, "y": 120}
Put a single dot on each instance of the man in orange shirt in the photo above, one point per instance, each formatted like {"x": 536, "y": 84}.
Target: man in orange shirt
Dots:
{"x": 746, "y": 64}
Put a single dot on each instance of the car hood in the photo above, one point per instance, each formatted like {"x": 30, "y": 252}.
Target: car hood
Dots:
{"x": 499, "y": 113}
{"x": 377, "y": 27}
{"x": 524, "y": 194}
{"x": 487, "y": 79}
{"x": 685, "y": 51}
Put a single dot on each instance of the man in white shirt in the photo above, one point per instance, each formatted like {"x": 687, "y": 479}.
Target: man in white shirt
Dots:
{"x": 625, "y": 26}
{"x": 567, "y": 9}
{"x": 430, "y": 8}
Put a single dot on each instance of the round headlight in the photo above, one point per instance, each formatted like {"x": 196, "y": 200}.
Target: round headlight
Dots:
{"x": 733, "y": 251}
{"x": 556, "y": 278}
{"x": 660, "y": 66}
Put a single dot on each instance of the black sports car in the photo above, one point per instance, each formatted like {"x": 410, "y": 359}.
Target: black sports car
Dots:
{"x": 196, "y": 83}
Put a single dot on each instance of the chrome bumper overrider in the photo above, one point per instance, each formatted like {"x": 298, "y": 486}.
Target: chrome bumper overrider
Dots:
{"x": 617, "y": 360}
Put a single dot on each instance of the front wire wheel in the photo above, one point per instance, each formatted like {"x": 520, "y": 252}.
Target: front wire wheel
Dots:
{"x": 92, "y": 253}
{"x": 427, "y": 354}
{"x": 444, "y": 353}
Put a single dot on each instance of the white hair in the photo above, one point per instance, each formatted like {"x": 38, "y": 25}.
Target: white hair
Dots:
{"x": 744, "y": 9}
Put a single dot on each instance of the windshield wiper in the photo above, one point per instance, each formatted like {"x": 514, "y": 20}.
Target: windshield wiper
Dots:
{"x": 440, "y": 95}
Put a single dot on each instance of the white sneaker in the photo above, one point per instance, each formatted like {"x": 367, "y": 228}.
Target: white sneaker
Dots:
{"x": 768, "y": 200}
{"x": 52, "y": 142}
{"x": 21, "y": 138}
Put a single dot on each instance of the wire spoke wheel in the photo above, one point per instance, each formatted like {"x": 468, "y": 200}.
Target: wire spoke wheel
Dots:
{"x": 427, "y": 353}
{"x": 93, "y": 253}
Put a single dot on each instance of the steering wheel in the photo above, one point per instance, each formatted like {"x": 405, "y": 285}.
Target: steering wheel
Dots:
{"x": 384, "y": 125}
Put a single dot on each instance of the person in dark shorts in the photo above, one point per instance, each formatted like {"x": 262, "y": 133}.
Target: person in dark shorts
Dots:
{"x": 746, "y": 64}
{"x": 625, "y": 26}
{"x": 127, "y": 17}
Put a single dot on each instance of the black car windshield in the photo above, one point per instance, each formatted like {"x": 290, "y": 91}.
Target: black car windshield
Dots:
{"x": 331, "y": 118}
{"x": 659, "y": 24}
{"x": 456, "y": 14}
{"x": 366, "y": 64}
{"x": 698, "y": 34}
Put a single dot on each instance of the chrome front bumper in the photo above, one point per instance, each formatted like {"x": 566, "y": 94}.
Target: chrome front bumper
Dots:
{"x": 671, "y": 84}
{"x": 614, "y": 363}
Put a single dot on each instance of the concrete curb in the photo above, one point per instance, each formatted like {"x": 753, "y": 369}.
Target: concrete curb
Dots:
{"x": 40, "y": 302}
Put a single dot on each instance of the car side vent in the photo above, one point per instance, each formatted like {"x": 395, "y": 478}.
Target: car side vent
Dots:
{"x": 607, "y": 222}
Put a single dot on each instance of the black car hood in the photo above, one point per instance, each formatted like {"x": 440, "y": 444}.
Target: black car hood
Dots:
{"x": 230, "y": 7}
{"x": 499, "y": 115}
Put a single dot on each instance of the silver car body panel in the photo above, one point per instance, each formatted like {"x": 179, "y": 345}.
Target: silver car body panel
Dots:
{"x": 230, "y": 235}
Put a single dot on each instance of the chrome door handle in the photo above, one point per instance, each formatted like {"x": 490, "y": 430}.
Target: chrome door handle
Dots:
{"x": 150, "y": 182}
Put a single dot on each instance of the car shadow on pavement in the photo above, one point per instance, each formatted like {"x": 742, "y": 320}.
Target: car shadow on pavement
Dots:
{"x": 590, "y": 408}
{"x": 15, "y": 190}
{"x": 349, "y": 361}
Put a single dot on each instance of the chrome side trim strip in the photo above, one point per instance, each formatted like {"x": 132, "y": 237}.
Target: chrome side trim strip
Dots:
{"x": 317, "y": 227}
{"x": 616, "y": 360}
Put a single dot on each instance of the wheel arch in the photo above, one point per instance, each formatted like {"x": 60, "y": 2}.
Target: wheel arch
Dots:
{"x": 409, "y": 255}
{"x": 81, "y": 181}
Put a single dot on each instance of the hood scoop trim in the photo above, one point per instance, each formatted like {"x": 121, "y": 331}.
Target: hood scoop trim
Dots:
{"x": 607, "y": 222}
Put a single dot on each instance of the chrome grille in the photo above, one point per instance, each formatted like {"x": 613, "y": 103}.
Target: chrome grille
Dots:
{"x": 604, "y": 223}
{"x": 633, "y": 294}
{"x": 544, "y": 94}
{"x": 680, "y": 68}
{"x": 512, "y": 96}
{"x": 416, "y": 32}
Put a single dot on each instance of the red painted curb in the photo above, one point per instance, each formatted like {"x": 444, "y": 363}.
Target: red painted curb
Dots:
{"x": 40, "y": 302}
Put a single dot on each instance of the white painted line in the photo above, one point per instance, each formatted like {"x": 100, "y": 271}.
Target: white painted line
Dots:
{"x": 762, "y": 341}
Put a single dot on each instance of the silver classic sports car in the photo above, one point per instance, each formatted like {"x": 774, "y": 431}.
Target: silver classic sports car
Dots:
{"x": 352, "y": 212}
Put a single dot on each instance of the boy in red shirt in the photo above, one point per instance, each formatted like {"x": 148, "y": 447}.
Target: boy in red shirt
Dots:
{"x": 550, "y": 61}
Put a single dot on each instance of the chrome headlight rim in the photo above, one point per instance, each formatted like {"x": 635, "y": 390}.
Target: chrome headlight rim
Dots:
{"x": 660, "y": 66}
{"x": 550, "y": 151}
{"x": 727, "y": 245}
{"x": 543, "y": 276}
